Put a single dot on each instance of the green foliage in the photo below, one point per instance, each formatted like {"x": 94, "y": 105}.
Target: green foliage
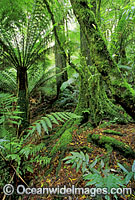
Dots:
{"x": 38, "y": 78}
{"x": 14, "y": 151}
{"x": 4, "y": 173}
{"x": 2, "y": 140}
{"x": 78, "y": 160}
{"x": 68, "y": 98}
{"x": 38, "y": 82}
{"x": 9, "y": 113}
{"x": 62, "y": 143}
{"x": 42, "y": 160}
{"x": 45, "y": 123}
{"x": 107, "y": 181}
{"x": 69, "y": 82}
{"x": 130, "y": 175}
{"x": 101, "y": 177}
{"x": 8, "y": 81}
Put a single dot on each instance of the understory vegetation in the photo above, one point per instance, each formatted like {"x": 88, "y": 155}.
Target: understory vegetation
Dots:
{"x": 67, "y": 99}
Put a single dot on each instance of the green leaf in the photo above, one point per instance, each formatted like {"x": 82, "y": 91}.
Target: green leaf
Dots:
{"x": 95, "y": 178}
{"x": 133, "y": 166}
{"x": 128, "y": 177}
{"x": 123, "y": 168}
{"x": 78, "y": 165}
{"x": 84, "y": 167}
{"x": 69, "y": 161}
{"x": 102, "y": 164}
{"x": 14, "y": 122}
{"x": 62, "y": 116}
{"x": 93, "y": 164}
{"x": 53, "y": 119}
{"x": 74, "y": 165}
{"x": 38, "y": 126}
{"x": 31, "y": 130}
{"x": 68, "y": 157}
{"x": 48, "y": 122}
{"x": 44, "y": 126}
{"x": 58, "y": 118}
{"x": 29, "y": 169}
{"x": 83, "y": 156}
{"x": 87, "y": 158}
{"x": 76, "y": 154}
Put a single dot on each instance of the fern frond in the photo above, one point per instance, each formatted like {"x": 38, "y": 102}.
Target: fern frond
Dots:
{"x": 46, "y": 122}
{"x": 31, "y": 149}
{"x": 6, "y": 109}
{"x": 8, "y": 82}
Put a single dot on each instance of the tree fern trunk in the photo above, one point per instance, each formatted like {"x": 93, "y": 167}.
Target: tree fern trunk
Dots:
{"x": 23, "y": 99}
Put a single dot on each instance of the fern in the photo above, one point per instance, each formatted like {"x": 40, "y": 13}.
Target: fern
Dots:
{"x": 2, "y": 140}
{"x": 78, "y": 160}
{"x": 42, "y": 160}
{"x": 31, "y": 149}
{"x": 45, "y": 123}
{"x": 9, "y": 113}
{"x": 130, "y": 175}
{"x": 8, "y": 81}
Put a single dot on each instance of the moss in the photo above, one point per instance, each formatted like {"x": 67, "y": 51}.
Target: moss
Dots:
{"x": 86, "y": 149}
{"x": 66, "y": 126}
{"x": 102, "y": 60}
{"x": 117, "y": 145}
{"x": 108, "y": 148}
{"x": 95, "y": 137}
{"x": 62, "y": 143}
{"x": 112, "y": 132}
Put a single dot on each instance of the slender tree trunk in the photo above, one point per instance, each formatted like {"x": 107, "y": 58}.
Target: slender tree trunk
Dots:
{"x": 60, "y": 60}
{"x": 23, "y": 99}
{"x": 101, "y": 58}
{"x": 60, "y": 64}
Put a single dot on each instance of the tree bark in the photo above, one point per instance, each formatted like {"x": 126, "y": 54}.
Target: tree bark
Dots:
{"x": 101, "y": 58}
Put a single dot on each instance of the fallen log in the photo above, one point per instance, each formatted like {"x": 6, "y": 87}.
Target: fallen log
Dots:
{"x": 102, "y": 141}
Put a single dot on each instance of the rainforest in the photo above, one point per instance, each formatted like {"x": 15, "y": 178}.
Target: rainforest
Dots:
{"x": 67, "y": 99}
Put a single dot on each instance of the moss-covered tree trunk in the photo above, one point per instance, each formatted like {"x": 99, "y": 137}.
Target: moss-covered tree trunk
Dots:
{"x": 23, "y": 99}
{"x": 85, "y": 51}
{"x": 92, "y": 99}
{"x": 101, "y": 58}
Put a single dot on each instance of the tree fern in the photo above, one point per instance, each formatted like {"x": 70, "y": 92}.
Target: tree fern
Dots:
{"x": 45, "y": 123}
{"x": 8, "y": 113}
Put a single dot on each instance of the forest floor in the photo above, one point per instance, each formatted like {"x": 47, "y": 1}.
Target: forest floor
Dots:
{"x": 68, "y": 175}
